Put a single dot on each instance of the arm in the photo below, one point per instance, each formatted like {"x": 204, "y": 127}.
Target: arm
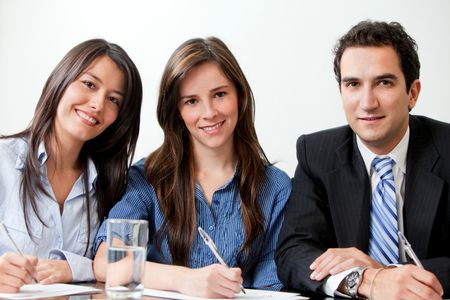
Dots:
{"x": 139, "y": 203}
{"x": 307, "y": 230}
{"x": 265, "y": 272}
{"x": 214, "y": 281}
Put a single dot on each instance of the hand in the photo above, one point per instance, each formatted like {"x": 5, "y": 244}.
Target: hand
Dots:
{"x": 15, "y": 271}
{"x": 214, "y": 281}
{"x": 336, "y": 260}
{"x": 53, "y": 271}
{"x": 404, "y": 282}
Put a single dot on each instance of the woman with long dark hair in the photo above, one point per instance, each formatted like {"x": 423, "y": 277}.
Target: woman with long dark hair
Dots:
{"x": 211, "y": 172}
{"x": 61, "y": 175}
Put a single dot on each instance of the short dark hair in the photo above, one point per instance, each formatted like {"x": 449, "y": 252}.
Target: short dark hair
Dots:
{"x": 371, "y": 33}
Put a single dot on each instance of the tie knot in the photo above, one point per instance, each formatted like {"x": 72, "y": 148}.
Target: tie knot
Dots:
{"x": 383, "y": 166}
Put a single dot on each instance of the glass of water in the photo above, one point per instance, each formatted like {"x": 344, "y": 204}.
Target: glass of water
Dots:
{"x": 127, "y": 249}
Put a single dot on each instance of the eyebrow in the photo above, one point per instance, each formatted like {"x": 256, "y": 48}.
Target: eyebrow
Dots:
{"x": 379, "y": 77}
{"x": 98, "y": 79}
{"x": 213, "y": 90}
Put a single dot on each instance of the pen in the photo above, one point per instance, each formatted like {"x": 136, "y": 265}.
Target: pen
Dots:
{"x": 11, "y": 241}
{"x": 209, "y": 242}
{"x": 409, "y": 250}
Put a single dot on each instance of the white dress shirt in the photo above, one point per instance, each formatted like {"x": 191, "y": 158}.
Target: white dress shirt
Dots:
{"x": 64, "y": 236}
{"x": 398, "y": 154}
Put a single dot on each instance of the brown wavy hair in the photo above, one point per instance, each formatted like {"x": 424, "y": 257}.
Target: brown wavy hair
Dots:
{"x": 112, "y": 151}
{"x": 170, "y": 168}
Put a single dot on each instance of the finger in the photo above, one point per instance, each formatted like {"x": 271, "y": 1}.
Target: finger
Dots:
{"x": 4, "y": 288}
{"x": 423, "y": 292}
{"x": 346, "y": 265}
{"x": 318, "y": 273}
{"x": 319, "y": 259}
{"x": 16, "y": 274}
{"x": 428, "y": 279}
{"x": 232, "y": 274}
{"x": 49, "y": 280}
{"x": 12, "y": 281}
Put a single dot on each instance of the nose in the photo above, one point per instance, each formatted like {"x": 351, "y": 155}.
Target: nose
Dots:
{"x": 210, "y": 110}
{"x": 369, "y": 100}
{"x": 96, "y": 102}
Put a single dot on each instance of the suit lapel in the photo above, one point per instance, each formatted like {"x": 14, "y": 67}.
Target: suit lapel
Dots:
{"x": 423, "y": 189}
{"x": 350, "y": 201}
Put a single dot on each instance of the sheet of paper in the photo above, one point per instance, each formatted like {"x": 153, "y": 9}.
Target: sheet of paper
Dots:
{"x": 36, "y": 291}
{"x": 250, "y": 294}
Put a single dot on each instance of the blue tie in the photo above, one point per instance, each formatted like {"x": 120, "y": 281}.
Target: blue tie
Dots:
{"x": 383, "y": 245}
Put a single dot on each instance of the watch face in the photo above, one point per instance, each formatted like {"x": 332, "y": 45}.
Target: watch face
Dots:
{"x": 352, "y": 279}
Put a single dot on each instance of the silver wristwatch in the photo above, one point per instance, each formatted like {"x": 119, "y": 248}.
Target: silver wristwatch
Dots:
{"x": 352, "y": 282}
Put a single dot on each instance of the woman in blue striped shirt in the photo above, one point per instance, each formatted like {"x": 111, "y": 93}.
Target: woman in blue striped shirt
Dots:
{"x": 211, "y": 172}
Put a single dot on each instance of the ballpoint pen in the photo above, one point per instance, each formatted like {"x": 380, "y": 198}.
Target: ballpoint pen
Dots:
{"x": 409, "y": 250}
{"x": 11, "y": 241}
{"x": 209, "y": 242}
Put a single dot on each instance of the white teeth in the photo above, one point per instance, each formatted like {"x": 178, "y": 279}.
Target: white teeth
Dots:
{"x": 86, "y": 117}
{"x": 211, "y": 128}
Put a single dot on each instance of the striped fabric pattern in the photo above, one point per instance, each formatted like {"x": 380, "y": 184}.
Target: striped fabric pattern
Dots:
{"x": 222, "y": 221}
{"x": 383, "y": 245}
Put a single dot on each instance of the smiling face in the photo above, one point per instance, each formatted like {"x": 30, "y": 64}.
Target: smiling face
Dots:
{"x": 208, "y": 106}
{"x": 90, "y": 103}
{"x": 375, "y": 99}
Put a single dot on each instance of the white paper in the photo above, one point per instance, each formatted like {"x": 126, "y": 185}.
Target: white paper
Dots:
{"x": 250, "y": 294}
{"x": 36, "y": 291}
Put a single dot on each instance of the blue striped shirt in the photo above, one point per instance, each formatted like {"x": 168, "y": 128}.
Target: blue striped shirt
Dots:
{"x": 222, "y": 221}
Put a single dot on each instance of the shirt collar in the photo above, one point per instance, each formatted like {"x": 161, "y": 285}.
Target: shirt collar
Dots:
{"x": 22, "y": 152}
{"x": 398, "y": 154}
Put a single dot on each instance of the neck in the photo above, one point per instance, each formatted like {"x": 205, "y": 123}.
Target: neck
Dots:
{"x": 62, "y": 155}
{"x": 207, "y": 161}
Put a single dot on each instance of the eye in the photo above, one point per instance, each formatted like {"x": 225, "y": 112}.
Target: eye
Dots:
{"x": 89, "y": 84}
{"x": 190, "y": 101}
{"x": 114, "y": 100}
{"x": 351, "y": 83}
{"x": 220, "y": 94}
{"x": 385, "y": 82}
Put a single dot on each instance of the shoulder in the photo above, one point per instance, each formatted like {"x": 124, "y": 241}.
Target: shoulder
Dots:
{"x": 138, "y": 181}
{"x": 277, "y": 184}
{"x": 328, "y": 138}
{"x": 277, "y": 177}
{"x": 12, "y": 148}
{"x": 437, "y": 131}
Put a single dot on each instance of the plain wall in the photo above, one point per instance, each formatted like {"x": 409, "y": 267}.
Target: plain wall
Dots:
{"x": 284, "y": 47}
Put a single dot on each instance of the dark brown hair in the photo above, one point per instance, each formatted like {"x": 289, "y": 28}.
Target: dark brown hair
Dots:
{"x": 112, "y": 151}
{"x": 371, "y": 33}
{"x": 170, "y": 168}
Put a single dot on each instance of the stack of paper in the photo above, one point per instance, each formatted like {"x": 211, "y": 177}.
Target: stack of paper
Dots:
{"x": 36, "y": 291}
{"x": 250, "y": 294}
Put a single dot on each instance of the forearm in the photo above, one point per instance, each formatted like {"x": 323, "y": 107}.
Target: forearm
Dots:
{"x": 164, "y": 277}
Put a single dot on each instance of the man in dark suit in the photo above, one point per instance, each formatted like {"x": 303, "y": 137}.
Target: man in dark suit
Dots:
{"x": 356, "y": 186}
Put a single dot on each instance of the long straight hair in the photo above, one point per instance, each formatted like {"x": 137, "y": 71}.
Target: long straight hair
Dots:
{"x": 112, "y": 151}
{"x": 170, "y": 168}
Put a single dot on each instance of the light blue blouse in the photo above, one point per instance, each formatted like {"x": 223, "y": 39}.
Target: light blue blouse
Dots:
{"x": 65, "y": 236}
{"x": 222, "y": 221}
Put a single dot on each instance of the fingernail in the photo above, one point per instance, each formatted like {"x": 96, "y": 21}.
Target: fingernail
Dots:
{"x": 312, "y": 266}
{"x": 313, "y": 275}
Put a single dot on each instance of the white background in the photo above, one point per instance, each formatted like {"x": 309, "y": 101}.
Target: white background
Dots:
{"x": 283, "y": 46}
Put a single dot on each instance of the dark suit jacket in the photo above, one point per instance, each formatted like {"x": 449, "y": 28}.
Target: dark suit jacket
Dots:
{"x": 330, "y": 201}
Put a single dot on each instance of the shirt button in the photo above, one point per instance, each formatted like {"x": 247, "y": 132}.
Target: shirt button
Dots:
{"x": 211, "y": 227}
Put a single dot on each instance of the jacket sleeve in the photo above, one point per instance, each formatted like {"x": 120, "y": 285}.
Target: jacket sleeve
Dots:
{"x": 307, "y": 230}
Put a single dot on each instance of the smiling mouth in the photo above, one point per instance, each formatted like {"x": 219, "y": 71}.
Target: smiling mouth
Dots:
{"x": 87, "y": 118}
{"x": 213, "y": 127}
{"x": 371, "y": 118}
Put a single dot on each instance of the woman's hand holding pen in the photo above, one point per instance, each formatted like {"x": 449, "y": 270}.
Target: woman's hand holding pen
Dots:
{"x": 15, "y": 271}
{"x": 214, "y": 281}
